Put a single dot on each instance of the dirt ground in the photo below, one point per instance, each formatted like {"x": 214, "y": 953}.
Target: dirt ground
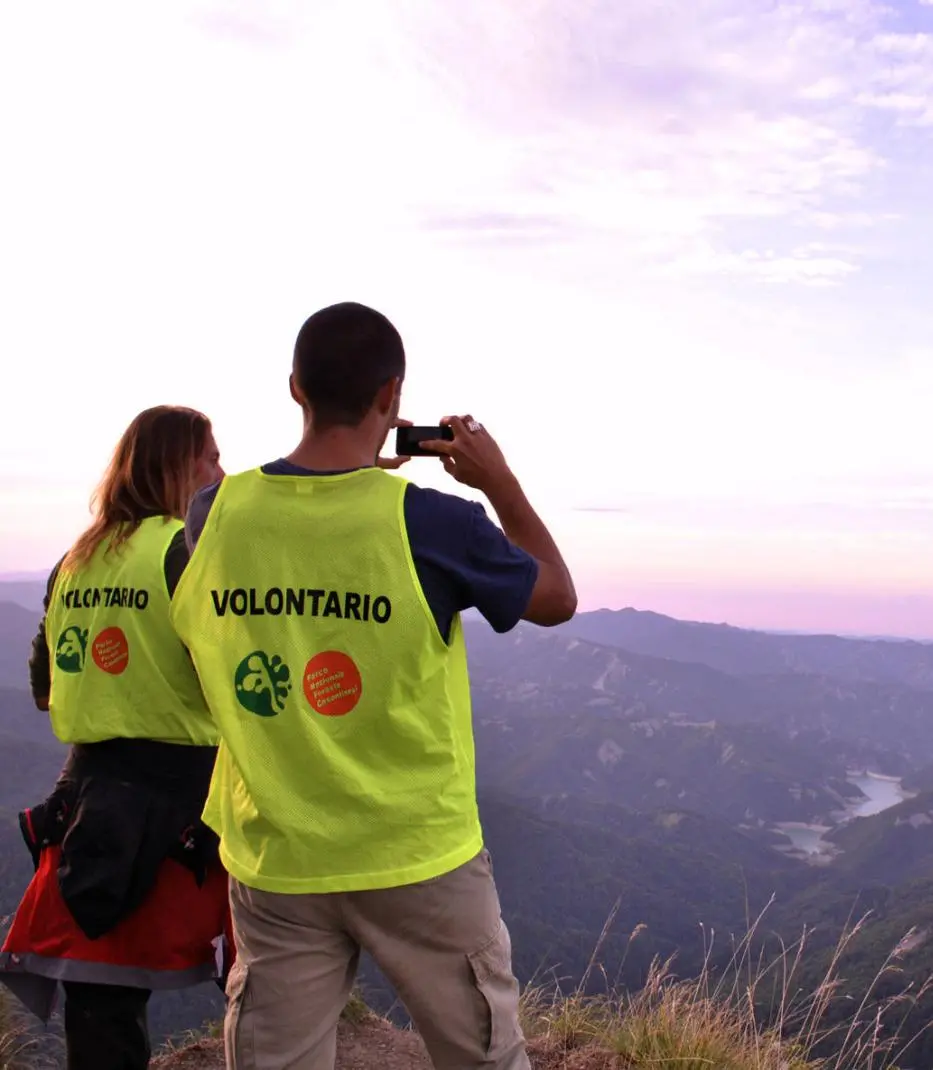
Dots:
{"x": 374, "y": 1044}
{"x": 363, "y": 1046}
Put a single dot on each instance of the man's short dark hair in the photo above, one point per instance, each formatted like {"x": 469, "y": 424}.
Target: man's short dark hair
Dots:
{"x": 344, "y": 354}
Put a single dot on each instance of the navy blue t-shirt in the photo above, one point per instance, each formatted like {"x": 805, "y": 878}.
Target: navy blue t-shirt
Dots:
{"x": 463, "y": 560}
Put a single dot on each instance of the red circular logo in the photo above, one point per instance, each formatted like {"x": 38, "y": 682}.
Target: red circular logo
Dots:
{"x": 332, "y": 683}
{"x": 110, "y": 651}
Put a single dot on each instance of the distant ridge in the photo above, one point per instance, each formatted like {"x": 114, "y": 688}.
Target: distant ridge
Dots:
{"x": 25, "y": 591}
{"x": 750, "y": 652}
{"x": 800, "y": 632}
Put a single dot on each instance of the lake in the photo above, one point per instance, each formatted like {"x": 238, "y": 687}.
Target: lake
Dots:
{"x": 807, "y": 839}
{"x": 882, "y": 793}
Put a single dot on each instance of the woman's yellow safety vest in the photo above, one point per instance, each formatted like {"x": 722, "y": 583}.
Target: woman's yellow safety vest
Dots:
{"x": 346, "y": 759}
{"x": 119, "y": 670}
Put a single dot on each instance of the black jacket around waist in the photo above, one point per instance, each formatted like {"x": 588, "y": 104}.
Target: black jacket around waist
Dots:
{"x": 119, "y": 810}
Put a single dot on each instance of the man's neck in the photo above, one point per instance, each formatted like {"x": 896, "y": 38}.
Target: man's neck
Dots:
{"x": 337, "y": 450}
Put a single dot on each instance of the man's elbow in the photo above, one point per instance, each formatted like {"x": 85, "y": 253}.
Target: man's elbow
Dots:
{"x": 571, "y": 606}
{"x": 42, "y": 702}
{"x": 558, "y": 608}
{"x": 565, "y": 607}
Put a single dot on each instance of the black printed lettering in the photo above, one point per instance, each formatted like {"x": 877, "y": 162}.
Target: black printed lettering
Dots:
{"x": 258, "y": 601}
{"x": 332, "y": 607}
{"x": 110, "y": 598}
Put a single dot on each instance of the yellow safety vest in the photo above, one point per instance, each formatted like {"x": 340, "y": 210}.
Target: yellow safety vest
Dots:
{"x": 346, "y": 759}
{"x": 119, "y": 670}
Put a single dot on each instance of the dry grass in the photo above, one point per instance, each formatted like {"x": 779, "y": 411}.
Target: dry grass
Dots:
{"x": 20, "y": 1049}
{"x": 752, "y": 1016}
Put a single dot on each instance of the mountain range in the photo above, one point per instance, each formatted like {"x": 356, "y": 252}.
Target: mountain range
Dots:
{"x": 646, "y": 769}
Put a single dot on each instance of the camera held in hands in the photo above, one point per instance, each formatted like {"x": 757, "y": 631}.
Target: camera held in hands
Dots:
{"x": 408, "y": 440}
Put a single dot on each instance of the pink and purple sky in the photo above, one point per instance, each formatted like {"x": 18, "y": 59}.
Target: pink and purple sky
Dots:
{"x": 676, "y": 256}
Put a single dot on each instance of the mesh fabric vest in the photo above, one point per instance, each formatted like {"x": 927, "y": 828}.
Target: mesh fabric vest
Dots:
{"x": 118, "y": 668}
{"x": 346, "y": 758}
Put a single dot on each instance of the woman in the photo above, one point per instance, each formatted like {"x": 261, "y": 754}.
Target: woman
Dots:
{"x": 129, "y": 894}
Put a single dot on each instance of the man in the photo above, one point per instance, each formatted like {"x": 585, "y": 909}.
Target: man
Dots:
{"x": 322, "y": 609}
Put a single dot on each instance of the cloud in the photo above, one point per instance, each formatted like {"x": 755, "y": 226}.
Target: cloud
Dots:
{"x": 768, "y": 267}
{"x": 659, "y": 124}
{"x": 500, "y": 227}
{"x": 699, "y": 136}
{"x": 275, "y": 24}
{"x": 229, "y": 26}
{"x": 902, "y": 83}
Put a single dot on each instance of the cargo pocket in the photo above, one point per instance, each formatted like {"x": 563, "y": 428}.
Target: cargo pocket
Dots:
{"x": 493, "y": 977}
{"x": 238, "y": 1028}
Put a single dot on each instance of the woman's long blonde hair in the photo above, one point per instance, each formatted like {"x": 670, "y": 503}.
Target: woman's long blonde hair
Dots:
{"x": 153, "y": 471}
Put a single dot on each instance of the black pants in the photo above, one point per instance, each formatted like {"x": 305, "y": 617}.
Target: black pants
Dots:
{"x": 106, "y": 1027}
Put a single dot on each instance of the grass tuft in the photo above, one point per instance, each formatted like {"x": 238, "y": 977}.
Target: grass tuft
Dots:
{"x": 752, "y": 1015}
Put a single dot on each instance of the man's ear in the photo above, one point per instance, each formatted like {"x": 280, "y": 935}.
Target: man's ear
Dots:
{"x": 295, "y": 392}
{"x": 388, "y": 396}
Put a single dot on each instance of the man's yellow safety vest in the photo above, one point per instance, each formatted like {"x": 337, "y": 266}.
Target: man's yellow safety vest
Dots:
{"x": 346, "y": 759}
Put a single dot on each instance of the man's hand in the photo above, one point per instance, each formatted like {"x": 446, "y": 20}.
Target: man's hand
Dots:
{"x": 43, "y": 703}
{"x": 472, "y": 457}
{"x": 391, "y": 463}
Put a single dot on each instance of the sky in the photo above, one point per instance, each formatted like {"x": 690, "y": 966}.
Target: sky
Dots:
{"x": 675, "y": 255}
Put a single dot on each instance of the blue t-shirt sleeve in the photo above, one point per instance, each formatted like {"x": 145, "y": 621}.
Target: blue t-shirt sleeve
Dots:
{"x": 464, "y": 561}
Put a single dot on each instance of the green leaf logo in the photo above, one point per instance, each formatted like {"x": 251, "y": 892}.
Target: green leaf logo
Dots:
{"x": 70, "y": 649}
{"x": 262, "y": 684}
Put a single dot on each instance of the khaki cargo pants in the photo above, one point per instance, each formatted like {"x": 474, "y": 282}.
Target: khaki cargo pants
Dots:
{"x": 442, "y": 944}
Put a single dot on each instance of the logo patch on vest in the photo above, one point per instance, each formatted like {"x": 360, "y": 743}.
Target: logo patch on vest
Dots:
{"x": 332, "y": 683}
{"x": 262, "y": 683}
{"x": 71, "y": 648}
{"x": 111, "y": 651}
